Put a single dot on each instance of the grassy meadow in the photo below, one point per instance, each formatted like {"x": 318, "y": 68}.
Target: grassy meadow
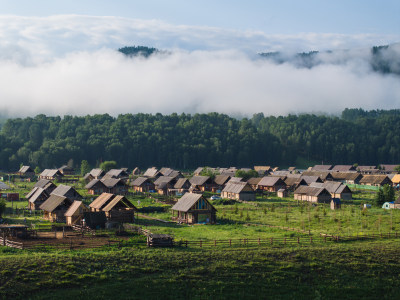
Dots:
{"x": 346, "y": 270}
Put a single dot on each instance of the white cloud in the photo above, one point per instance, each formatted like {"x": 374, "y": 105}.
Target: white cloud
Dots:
{"x": 229, "y": 82}
{"x": 68, "y": 65}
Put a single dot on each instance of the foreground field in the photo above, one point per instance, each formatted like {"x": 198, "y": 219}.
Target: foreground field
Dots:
{"x": 367, "y": 270}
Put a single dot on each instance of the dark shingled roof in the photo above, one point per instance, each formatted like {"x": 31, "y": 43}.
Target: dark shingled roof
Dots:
{"x": 38, "y": 192}
{"x": 187, "y": 201}
{"x": 254, "y": 180}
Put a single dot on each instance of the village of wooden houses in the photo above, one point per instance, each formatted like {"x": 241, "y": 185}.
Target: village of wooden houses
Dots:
{"x": 167, "y": 207}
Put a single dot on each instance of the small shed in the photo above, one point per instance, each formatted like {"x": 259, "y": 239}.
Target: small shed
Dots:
{"x": 193, "y": 209}
{"x": 282, "y": 193}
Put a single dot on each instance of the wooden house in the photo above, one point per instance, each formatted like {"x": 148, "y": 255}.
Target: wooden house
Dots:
{"x": 192, "y": 209}
{"x": 51, "y": 174}
{"x": 164, "y": 183}
{"x": 238, "y": 191}
{"x": 375, "y": 180}
{"x": 116, "y": 207}
{"x": 396, "y": 180}
{"x": 94, "y": 174}
{"x": 202, "y": 183}
{"x": 171, "y": 173}
{"x": 115, "y": 185}
{"x": 120, "y": 209}
{"x": 66, "y": 170}
{"x": 40, "y": 192}
{"x": 263, "y": 170}
{"x": 271, "y": 184}
{"x": 293, "y": 182}
{"x": 311, "y": 179}
{"x": 312, "y": 194}
{"x": 55, "y": 207}
{"x": 181, "y": 186}
{"x": 96, "y": 187}
{"x": 143, "y": 185}
{"x": 74, "y": 214}
{"x": 26, "y": 172}
{"x": 367, "y": 169}
{"x": 337, "y": 189}
{"x": 282, "y": 193}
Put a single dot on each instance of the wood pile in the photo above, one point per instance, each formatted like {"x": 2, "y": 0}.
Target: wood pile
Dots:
{"x": 160, "y": 240}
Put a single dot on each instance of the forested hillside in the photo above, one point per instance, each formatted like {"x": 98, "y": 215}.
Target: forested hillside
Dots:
{"x": 187, "y": 141}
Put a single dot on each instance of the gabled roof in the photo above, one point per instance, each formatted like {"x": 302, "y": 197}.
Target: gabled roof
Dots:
{"x": 290, "y": 181}
{"x": 37, "y": 193}
{"x": 262, "y": 168}
{"x": 388, "y": 168}
{"x": 366, "y": 168}
{"x": 101, "y": 200}
{"x": 97, "y": 172}
{"x": 221, "y": 179}
{"x": 324, "y": 175}
{"x": 396, "y": 178}
{"x": 151, "y": 172}
{"x": 322, "y": 168}
{"x": 343, "y": 168}
{"x": 281, "y": 173}
{"x": 346, "y": 175}
{"x": 271, "y": 181}
{"x": 198, "y": 170}
{"x": 254, "y": 180}
{"x": 163, "y": 179}
{"x": 310, "y": 191}
{"x": 93, "y": 182}
{"x": 25, "y": 169}
{"x": 63, "y": 190}
{"x": 188, "y": 200}
{"x": 166, "y": 171}
{"x": 181, "y": 183}
{"x": 139, "y": 181}
{"x": 73, "y": 208}
{"x": 112, "y": 182}
{"x": 53, "y": 202}
{"x": 116, "y": 173}
{"x": 332, "y": 187}
{"x": 374, "y": 179}
{"x": 42, "y": 183}
{"x": 51, "y": 173}
{"x": 118, "y": 199}
{"x": 199, "y": 180}
{"x": 237, "y": 187}
{"x": 310, "y": 179}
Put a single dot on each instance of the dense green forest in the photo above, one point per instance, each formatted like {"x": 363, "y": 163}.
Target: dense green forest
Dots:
{"x": 186, "y": 141}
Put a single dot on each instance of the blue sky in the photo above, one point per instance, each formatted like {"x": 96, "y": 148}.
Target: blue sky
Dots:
{"x": 271, "y": 17}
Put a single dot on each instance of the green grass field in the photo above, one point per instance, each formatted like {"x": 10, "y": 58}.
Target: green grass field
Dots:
{"x": 346, "y": 270}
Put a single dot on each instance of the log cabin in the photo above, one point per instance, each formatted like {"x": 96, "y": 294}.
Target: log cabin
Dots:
{"x": 238, "y": 191}
{"x": 74, "y": 215}
{"x": 143, "y": 185}
{"x": 193, "y": 209}
{"x": 312, "y": 194}
{"x": 271, "y": 184}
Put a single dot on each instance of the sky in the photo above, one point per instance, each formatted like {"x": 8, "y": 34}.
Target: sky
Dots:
{"x": 59, "y": 57}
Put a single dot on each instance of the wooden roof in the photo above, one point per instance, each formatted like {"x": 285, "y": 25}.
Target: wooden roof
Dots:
{"x": 188, "y": 201}
{"x": 310, "y": 191}
{"x": 374, "y": 179}
{"x": 181, "y": 183}
{"x": 237, "y": 187}
{"x": 101, "y": 200}
{"x": 25, "y": 169}
{"x": 151, "y": 172}
{"x": 53, "y": 202}
{"x": 73, "y": 208}
{"x": 93, "y": 183}
{"x": 51, "y": 173}
{"x": 332, "y": 187}
{"x": 310, "y": 179}
{"x": 322, "y": 168}
{"x": 199, "y": 180}
{"x": 118, "y": 199}
{"x": 97, "y": 172}
{"x": 343, "y": 168}
{"x": 271, "y": 181}
{"x": 139, "y": 181}
{"x": 112, "y": 182}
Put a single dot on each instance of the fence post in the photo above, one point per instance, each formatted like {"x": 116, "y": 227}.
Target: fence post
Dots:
{"x": 259, "y": 241}
{"x": 186, "y": 243}
{"x": 311, "y": 239}
{"x": 230, "y": 243}
{"x": 200, "y": 243}
{"x": 215, "y": 243}
{"x": 284, "y": 240}
{"x": 298, "y": 240}
{"x": 272, "y": 241}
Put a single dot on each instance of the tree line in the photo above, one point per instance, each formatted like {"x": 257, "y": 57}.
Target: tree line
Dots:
{"x": 187, "y": 141}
